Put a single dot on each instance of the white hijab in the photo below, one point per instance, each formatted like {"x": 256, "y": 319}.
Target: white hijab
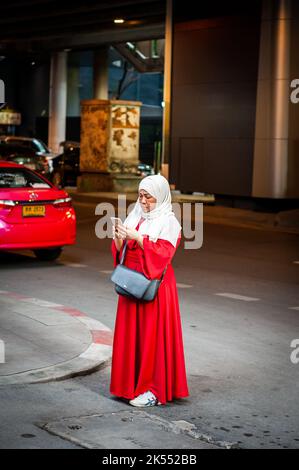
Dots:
{"x": 161, "y": 221}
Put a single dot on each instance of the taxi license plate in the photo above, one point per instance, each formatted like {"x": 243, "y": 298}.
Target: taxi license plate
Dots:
{"x": 34, "y": 211}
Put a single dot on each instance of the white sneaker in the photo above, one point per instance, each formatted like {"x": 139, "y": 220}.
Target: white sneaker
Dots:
{"x": 145, "y": 399}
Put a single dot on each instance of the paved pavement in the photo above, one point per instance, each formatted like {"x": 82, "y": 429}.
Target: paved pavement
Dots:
{"x": 49, "y": 342}
{"x": 46, "y": 341}
{"x": 43, "y": 341}
{"x": 132, "y": 429}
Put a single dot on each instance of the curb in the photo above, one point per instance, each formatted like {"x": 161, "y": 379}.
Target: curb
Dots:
{"x": 209, "y": 219}
{"x": 96, "y": 198}
{"x": 284, "y": 222}
{"x": 96, "y": 356}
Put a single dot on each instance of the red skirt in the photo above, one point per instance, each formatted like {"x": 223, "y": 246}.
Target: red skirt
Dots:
{"x": 148, "y": 349}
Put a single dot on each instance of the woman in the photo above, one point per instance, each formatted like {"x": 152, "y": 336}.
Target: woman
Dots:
{"x": 148, "y": 366}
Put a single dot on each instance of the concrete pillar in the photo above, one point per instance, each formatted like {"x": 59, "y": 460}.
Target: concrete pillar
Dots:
{"x": 273, "y": 100}
{"x": 109, "y": 145}
{"x": 167, "y": 89}
{"x": 100, "y": 73}
{"x": 57, "y": 100}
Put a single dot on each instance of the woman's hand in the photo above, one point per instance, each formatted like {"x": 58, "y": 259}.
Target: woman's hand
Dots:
{"x": 116, "y": 234}
{"x": 117, "y": 239}
{"x": 129, "y": 233}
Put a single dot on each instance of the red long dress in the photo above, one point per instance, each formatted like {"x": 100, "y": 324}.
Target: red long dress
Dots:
{"x": 148, "y": 349}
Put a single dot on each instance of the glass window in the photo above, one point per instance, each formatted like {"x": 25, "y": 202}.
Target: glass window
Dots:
{"x": 24, "y": 143}
{"x": 20, "y": 178}
{"x": 40, "y": 146}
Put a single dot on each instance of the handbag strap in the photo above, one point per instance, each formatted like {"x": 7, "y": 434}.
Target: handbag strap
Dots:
{"x": 123, "y": 253}
{"x": 123, "y": 257}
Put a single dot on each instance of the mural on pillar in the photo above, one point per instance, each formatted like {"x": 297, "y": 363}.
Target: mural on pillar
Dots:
{"x": 109, "y": 136}
{"x": 125, "y": 133}
{"x": 94, "y": 137}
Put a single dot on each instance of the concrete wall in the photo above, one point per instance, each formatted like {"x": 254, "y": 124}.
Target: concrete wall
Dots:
{"x": 215, "y": 66}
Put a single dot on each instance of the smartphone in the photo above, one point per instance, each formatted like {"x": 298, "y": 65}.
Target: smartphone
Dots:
{"x": 116, "y": 221}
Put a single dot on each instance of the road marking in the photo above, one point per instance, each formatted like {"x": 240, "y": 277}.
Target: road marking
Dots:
{"x": 294, "y": 308}
{"x": 108, "y": 271}
{"x": 13, "y": 295}
{"x": 41, "y": 303}
{"x": 75, "y": 265}
{"x": 102, "y": 337}
{"x": 237, "y": 297}
{"x": 73, "y": 312}
{"x": 97, "y": 352}
{"x": 93, "y": 324}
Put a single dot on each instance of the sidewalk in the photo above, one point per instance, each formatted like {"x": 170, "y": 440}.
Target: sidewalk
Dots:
{"x": 44, "y": 341}
{"x": 285, "y": 221}
{"x": 47, "y": 342}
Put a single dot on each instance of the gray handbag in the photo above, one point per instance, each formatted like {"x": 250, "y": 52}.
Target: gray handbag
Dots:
{"x": 132, "y": 284}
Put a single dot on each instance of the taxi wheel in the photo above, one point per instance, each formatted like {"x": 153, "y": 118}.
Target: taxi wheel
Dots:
{"x": 49, "y": 254}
